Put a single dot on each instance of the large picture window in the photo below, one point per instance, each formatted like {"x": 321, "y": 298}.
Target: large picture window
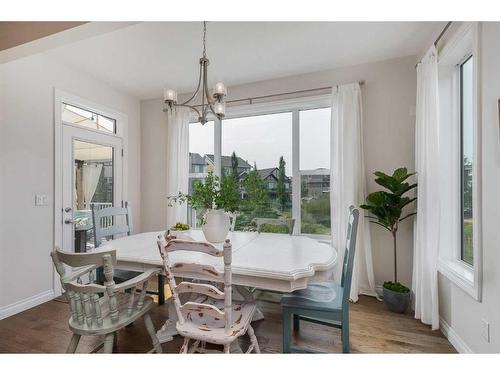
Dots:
{"x": 266, "y": 151}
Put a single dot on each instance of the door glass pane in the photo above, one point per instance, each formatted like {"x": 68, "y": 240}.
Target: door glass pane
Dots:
{"x": 315, "y": 204}
{"x": 88, "y": 119}
{"x": 93, "y": 183}
{"x": 257, "y": 153}
{"x": 467, "y": 131}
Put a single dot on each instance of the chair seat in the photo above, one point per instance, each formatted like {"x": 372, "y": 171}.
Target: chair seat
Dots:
{"x": 324, "y": 296}
{"x": 108, "y": 326}
{"x": 208, "y": 329}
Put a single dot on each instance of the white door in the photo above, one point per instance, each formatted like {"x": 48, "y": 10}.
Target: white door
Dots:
{"x": 92, "y": 172}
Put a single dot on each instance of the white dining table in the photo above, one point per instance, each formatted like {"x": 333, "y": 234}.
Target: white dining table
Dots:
{"x": 275, "y": 262}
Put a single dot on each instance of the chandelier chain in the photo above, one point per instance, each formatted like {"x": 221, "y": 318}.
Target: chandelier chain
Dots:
{"x": 204, "y": 39}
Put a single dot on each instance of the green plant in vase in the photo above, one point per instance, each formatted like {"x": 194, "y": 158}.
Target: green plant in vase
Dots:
{"x": 386, "y": 210}
{"x": 216, "y": 198}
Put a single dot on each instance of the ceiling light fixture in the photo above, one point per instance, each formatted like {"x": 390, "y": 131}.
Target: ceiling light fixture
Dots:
{"x": 214, "y": 104}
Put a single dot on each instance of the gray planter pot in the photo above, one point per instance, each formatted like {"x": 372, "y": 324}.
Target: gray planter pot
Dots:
{"x": 396, "y": 302}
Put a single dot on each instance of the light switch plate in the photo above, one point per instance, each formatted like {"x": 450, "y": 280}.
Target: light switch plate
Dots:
{"x": 41, "y": 200}
{"x": 485, "y": 330}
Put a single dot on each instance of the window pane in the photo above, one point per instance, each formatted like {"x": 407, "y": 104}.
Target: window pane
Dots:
{"x": 92, "y": 120}
{"x": 201, "y": 160}
{"x": 251, "y": 149}
{"x": 315, "y": 204}
{"x": 315, "y": 139}
{"x": 467, "y": 129}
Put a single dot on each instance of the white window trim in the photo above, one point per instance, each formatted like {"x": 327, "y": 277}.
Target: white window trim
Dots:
{"x": 294, "y": 105}
{"x": 464, "y": 42}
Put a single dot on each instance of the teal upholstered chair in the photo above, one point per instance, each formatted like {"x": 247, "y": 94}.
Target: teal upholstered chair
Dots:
{"x": 324, "y": 303}
{"x": 106, "y": 227}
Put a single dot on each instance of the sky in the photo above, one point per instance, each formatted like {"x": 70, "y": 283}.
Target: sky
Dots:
{"x": 263, "y": 139}
{"x": 468, "y": 128}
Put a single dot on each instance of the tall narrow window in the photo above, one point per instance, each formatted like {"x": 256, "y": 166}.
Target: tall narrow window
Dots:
{"x": 467, "y": 158}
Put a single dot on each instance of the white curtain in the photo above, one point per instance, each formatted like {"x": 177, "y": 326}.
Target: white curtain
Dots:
{"x": 177, "y": 161}
{"x": 90, "y": 178}
{"x": 426, "y": 240}
{"x": 348, "y": 185}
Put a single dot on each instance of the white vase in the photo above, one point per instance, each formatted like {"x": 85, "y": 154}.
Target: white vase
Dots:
{"x": 216, "y": 226}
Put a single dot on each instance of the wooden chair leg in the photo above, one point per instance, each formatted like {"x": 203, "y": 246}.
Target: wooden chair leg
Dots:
{"x": 161, "y": 289}
{"x": 253, "y": 339}
{"x": 108, "y": 343}
{"x": 287, "y": 328}
{"x": 296, "y": 322}
{"x": 75, "y": 339}
{"x": 151, "y": 330}
{"x": 185, "y": 346}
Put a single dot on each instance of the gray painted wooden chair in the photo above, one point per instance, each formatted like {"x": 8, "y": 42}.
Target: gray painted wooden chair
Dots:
{"x": 211, "y": 316}
{"x": 289, "y": 223}
{"x": 94, "y": 316}
{"x": 102, "y": 231}
{"x": 325, "y": 303}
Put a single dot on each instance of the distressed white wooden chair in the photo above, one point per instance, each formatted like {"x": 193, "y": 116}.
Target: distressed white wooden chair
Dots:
{"x": 94, "y": 316}
{"x": 212, "y": 317}
{"x": 105, "y": 226}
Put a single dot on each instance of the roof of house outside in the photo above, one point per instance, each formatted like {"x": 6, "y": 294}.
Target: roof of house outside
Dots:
{"x": 197, "y": 158}
{"x": 226, "y": 161}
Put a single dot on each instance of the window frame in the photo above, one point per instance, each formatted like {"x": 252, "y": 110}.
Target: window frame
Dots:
{"x": 461, "y": 44}
{"x": 460, "y": 65}
{"x": 294, "y": 106}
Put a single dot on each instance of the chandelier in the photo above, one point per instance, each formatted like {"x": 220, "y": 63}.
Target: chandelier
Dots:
{"x": 209, "y": 103}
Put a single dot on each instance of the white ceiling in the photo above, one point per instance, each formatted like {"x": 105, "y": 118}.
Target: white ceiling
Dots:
{"x": 144, "y": 58}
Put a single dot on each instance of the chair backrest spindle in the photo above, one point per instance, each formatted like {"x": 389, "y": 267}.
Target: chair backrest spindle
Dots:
{"x": 116, "y": 228}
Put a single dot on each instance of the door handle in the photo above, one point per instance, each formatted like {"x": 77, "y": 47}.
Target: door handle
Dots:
{"x": 68, "y": 221}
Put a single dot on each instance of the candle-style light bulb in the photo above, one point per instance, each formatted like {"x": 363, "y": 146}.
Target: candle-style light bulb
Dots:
{"x": 220, "y": 89}
{"x": 170, "y": 95}
{"x": 220, "y": 108}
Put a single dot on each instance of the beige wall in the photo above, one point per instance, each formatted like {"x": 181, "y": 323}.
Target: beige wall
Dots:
{"x": 27, "y": 167}
{"x": 389, "y": 101}
{"x": 462, "y": 313}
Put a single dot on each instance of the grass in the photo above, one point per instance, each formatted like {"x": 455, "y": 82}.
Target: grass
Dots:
{"x": 468, "y": 256}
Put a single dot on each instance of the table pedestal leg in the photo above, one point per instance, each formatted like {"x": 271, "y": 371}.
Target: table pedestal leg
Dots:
{"x": 168, "y": 330}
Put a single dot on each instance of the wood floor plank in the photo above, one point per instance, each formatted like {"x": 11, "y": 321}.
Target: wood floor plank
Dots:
{"x": 44, "y": 329}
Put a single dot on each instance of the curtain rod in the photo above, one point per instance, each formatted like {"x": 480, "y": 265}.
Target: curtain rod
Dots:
{"x": 438, "y": 38}
{"x": 251, "y": 99}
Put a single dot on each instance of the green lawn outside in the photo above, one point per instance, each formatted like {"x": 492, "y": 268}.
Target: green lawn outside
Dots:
{"x": 468, "y": 253}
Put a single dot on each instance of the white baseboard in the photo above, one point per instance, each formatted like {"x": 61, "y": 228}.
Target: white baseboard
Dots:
{"x": 25, "y": 304}
{"x": 453, "y": 337}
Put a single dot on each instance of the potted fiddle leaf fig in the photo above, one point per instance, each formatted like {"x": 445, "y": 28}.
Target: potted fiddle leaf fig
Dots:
{"x": 386, "y": 209}
{"x": 216, "y": 198}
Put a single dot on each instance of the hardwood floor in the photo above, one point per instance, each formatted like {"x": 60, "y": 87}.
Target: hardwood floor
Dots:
{"x": 44, "y": 329}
